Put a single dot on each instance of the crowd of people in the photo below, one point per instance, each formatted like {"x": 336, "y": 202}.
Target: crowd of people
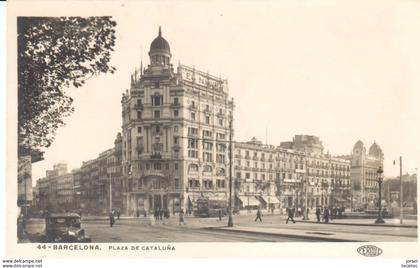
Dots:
{"x": 323, "y": 214}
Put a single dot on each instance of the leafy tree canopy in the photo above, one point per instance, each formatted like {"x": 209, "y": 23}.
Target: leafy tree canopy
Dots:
{"x": 55, "y": 53}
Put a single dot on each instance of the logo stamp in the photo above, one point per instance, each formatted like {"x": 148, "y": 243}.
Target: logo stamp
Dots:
{"x": 369, "y": 251}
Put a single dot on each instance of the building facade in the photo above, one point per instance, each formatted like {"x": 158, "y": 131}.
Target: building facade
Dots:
{"x": 277, "y": 177}
{"x": 328, "y": 181}
{"x": 174, "y": 136}
{"x": 55, "y": 191}
{"x": 101, "y": 182}
{"x": 364, "y": 177}
{"x": 255, "y": 176}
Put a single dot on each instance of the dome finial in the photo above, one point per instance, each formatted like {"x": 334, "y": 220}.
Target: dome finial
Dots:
{"x": 160, "y": 31}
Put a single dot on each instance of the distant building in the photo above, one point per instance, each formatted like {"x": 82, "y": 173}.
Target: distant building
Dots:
{"x": 88, "y": 189}
{"x": 306, "y": 143}
{"x": 55, "y": 190}
{"x": 101, "y": 182}
{"x": 364, "y": 177}
{"x": 255, "y": 175}
{"x": 328, "y": 181}
{"x": 289, "y": 176}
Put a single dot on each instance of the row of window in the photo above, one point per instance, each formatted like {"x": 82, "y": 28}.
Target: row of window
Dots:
{"x": 159, "y": 166}
{"x": 207, "y": 184}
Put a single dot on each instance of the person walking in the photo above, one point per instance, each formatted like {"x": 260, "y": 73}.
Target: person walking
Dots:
{"x": 181, "y": 217}
{"x": 318, "y": 214}
{"x": 118, "y": 214}
{"x": 220, "y": 215}
{"x": 111, "y": 218}
{"x": 259, "y": 215}
{"x": 290, "y": 212}
{"x": 326, "y": 215}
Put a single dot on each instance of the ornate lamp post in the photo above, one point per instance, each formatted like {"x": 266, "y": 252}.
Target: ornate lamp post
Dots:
{"x": 379, "y": 220}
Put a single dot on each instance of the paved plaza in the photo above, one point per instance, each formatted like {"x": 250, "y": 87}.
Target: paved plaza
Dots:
{"x": 273, "y": 228}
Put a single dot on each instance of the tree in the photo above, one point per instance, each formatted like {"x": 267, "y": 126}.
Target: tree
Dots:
{"x": 55, "y": 53}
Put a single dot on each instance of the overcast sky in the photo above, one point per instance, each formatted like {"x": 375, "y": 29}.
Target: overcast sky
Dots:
{"x": 340, "y": 71}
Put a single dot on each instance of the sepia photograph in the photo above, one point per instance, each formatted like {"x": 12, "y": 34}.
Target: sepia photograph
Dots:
{"x": 166, "y": 124}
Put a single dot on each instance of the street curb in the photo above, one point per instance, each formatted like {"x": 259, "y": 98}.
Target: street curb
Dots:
{"x": 323, "y": 239}
{"x": 361, "y": 224}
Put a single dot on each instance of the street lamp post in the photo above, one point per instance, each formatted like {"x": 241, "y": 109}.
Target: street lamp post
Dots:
{"x": 379, "y": 220}
{"x": 305, "y": 213}
{"x": 230, "y": 220}
{"x": 110, "y": 191}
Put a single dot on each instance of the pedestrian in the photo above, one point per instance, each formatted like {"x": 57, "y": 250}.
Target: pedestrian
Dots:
{"x": 111, "y": 218}
{"x": 318, "y": 214}
{"x": 259, "y": 215}
{"x": 326, "y": 214}
{"x": 137, "y": 213}
{"x": 220, "y": 215}
{"x": 156, "y": 214}
{"x": 181, "y": 217}
{"x": 299, "y": 212}
{"x": 290, "y": 215}
{"x": 145, "y": 213}
{"x": 118, "y": 214}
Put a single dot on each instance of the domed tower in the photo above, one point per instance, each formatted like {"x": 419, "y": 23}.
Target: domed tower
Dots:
{"x": 359, "y": 152}
{"x": 160, "y": 52}
{"x": 376, "y": 151}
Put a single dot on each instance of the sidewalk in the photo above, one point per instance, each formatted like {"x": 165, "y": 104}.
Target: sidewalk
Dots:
{"x": 365, "y": 222}
{"x": 315, "y": 235}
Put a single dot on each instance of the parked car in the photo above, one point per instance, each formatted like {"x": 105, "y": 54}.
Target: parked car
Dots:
{"x": 64, "y": 228}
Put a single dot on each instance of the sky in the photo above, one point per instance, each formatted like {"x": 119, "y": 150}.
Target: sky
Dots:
{"x": 340, "y": 70}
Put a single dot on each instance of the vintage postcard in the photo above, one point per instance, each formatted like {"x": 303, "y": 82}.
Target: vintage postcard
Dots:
{"x": 213, "y": 129}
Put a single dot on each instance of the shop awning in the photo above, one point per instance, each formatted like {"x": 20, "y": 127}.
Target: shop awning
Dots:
{"x": 270, "y": 199}
{"x": 248, "y": 200}
{"x": 339, "y": 199}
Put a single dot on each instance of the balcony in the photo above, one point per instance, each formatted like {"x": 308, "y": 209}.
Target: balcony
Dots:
{"x": 138, "y": 106}
{"x": 140, "y": 149}
{"x": 154, "y": 173}
{"x": 175, "y": 105}
{"x": 176, "y": 148}
{"x": 192, "y": 107}
{"x": 156, "y": 155}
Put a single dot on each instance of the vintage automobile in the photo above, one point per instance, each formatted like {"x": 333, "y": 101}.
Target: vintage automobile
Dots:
{"x": 64, "y": 228}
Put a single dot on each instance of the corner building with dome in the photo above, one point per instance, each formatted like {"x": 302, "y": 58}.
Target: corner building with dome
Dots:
{"x": 364, "y": 177}
{"x": 175, "y": 135}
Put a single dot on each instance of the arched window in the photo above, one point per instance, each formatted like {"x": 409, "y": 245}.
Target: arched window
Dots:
{"x": 207, "y": 169}
{"x": 192, "y": 168}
